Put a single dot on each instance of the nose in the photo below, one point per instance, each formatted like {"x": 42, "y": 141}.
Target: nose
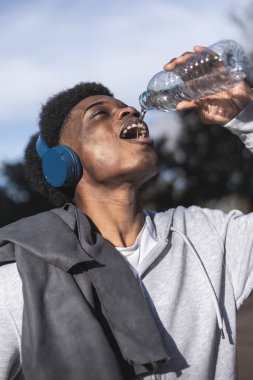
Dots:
{"x": 122, "y": 112}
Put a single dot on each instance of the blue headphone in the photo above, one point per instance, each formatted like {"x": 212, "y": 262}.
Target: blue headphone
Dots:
{"x": 60, "y": 164}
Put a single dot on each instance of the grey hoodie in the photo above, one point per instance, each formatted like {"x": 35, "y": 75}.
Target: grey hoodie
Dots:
{"x": 194, "y": 279}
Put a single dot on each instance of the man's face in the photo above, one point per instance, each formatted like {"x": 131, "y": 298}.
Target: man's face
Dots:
{"x": 113, "y": 146}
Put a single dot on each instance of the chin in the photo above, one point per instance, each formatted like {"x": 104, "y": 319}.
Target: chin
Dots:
{"x": 147, "y": 183}
{"x": 147, "y": 175}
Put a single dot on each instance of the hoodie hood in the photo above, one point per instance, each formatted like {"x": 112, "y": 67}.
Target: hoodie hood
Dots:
{"x": 161, "y": 228}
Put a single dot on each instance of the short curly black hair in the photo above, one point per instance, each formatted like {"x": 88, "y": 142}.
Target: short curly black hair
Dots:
{"x": 51, "y": 121}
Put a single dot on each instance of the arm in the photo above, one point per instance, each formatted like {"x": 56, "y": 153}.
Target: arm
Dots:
{"x": 236, "y": 235}
{"x": 233, "y": 109}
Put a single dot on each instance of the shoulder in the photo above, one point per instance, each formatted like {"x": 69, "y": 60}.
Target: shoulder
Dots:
{"x": 40, "y": 222}
{"x": 210, "y": 216}
{"x": 28, "y": 221}
{"x": 193, "y": 219}
{"x": 32, "y": 229}
{"x": 186, "y": 214}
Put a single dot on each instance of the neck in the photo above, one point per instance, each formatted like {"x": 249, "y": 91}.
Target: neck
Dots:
{"x": 116, "y": 213}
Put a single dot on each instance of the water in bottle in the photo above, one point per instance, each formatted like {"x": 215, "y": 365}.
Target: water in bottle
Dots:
{"x": 212, "y": 70}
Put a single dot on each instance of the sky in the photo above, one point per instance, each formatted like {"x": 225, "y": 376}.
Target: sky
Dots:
{"x": 50, "y": 45}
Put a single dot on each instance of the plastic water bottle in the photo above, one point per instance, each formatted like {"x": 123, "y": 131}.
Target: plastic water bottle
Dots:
{"x": 212, "y": 70}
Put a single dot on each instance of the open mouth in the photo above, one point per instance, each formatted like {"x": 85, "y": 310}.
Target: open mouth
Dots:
{"x": 134, "y": 131}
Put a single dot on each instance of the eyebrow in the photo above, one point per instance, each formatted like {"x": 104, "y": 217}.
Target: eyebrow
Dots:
{"x": 99, "y": 103}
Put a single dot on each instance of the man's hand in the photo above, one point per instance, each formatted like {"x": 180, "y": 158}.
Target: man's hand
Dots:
{"x": 219, "y": 108}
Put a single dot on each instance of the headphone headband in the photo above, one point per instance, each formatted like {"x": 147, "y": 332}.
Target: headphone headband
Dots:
{"x": 41, "y": 146}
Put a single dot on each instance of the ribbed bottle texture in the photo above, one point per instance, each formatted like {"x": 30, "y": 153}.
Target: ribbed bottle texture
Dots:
{"x": 212, "y": 70}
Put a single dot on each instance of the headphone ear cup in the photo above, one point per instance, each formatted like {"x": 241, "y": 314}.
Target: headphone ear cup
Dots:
{"x": 75, "y": 170}
{"x": 61, "y": 166}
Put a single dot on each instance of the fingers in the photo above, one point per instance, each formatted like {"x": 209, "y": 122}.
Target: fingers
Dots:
{"x": 176, "y": 61}
{"x": 186, "y": 104}
{"x": 198, "y": 48}
{"x": 183, "y": 58}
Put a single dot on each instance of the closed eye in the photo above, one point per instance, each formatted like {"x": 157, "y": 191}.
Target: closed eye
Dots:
{"x": 99, "y": 113}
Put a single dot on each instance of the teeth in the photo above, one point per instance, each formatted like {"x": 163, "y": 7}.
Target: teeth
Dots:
{"x": 141, "y": 130}
{"x": 132, "y": 126}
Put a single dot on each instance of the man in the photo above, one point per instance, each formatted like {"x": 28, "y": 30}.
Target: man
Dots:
{"x": 99, "y": 288}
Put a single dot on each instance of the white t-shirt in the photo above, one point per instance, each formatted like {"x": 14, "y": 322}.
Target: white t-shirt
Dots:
{"x": 143, "y": 244}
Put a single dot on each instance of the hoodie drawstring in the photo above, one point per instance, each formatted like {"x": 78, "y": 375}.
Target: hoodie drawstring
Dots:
{"x": 203, "y": 269}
